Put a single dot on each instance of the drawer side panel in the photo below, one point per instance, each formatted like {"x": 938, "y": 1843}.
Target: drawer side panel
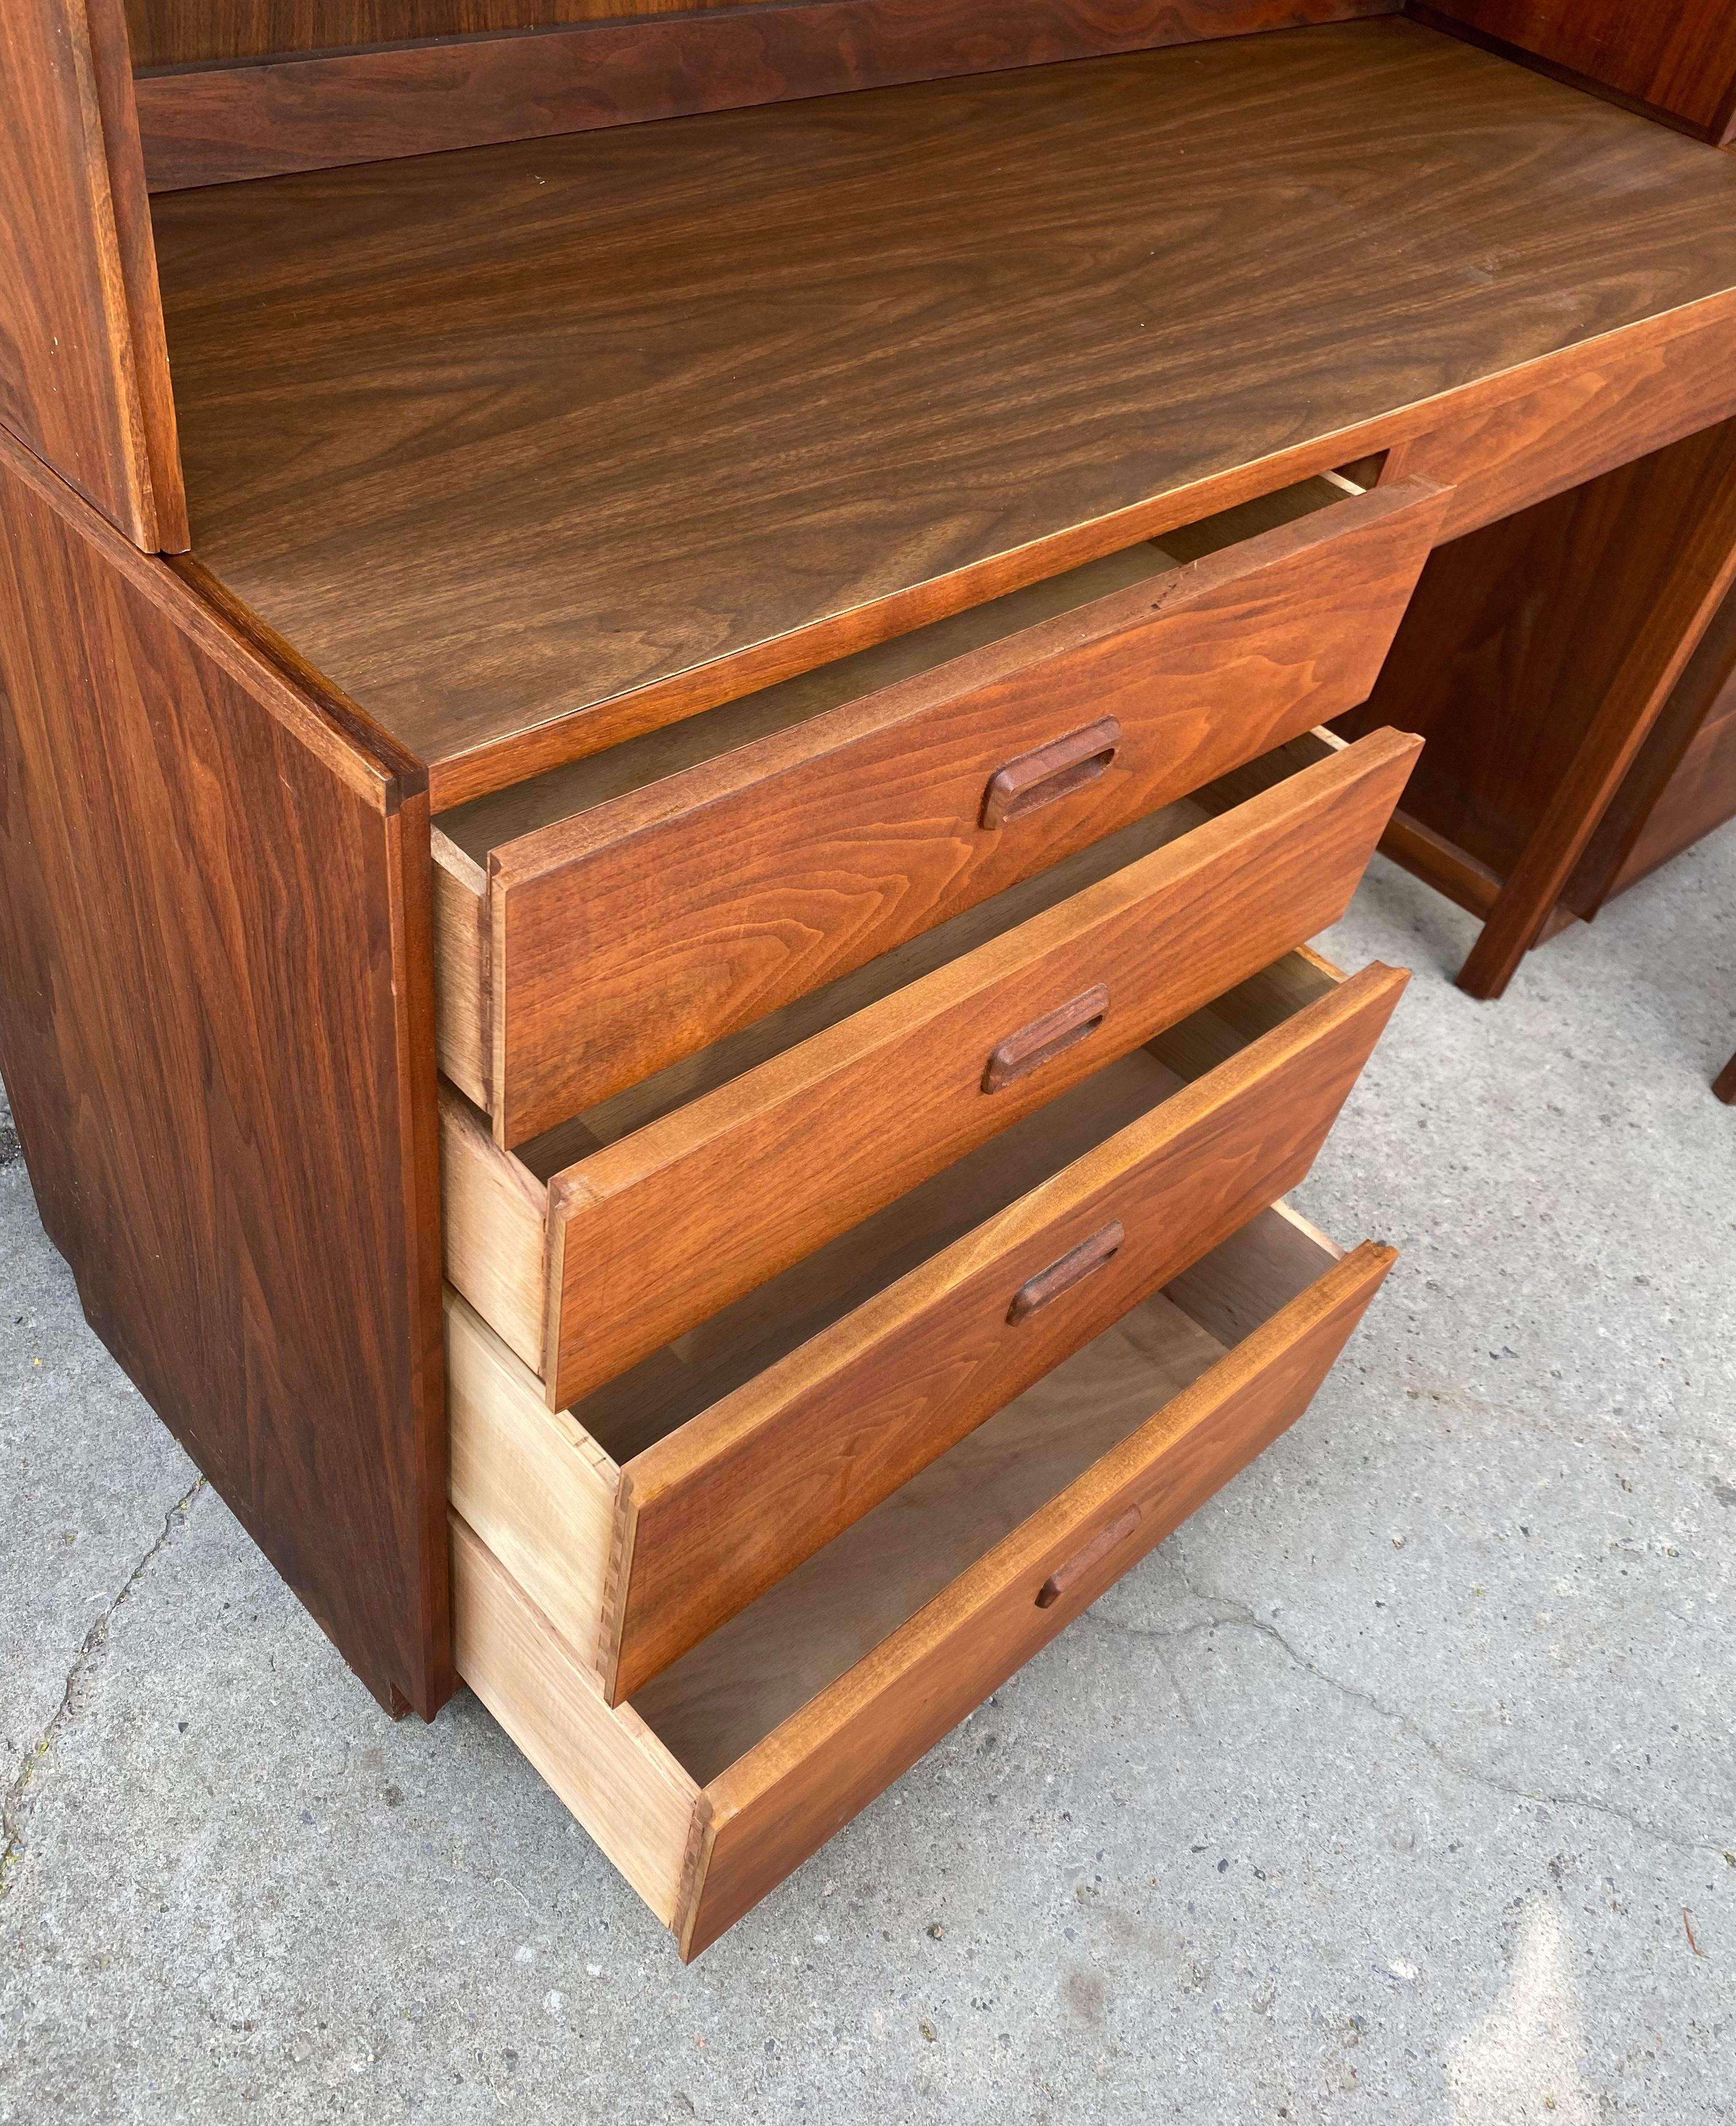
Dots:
{"x": 608, "y": 1768}
{"x": 532, "y": 1484}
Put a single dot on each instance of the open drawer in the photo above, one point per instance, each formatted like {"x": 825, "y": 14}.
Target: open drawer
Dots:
{"x": 670, "y": 1499}
{"x": 643, "y": 903}
{"x": 739, "y": 1761}
{"x": 643, "y": 1217}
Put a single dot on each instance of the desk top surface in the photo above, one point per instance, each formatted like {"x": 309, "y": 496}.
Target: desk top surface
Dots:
{"x": 647, "y": 416}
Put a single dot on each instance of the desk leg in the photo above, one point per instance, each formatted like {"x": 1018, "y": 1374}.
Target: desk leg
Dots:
{"x": 1691, "y": 587}
{"x": 1536, "y": 656}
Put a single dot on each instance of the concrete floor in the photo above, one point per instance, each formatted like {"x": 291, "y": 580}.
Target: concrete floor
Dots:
{"x": 1400, "y": 1784}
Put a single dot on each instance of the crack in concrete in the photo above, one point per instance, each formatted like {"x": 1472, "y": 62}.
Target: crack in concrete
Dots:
{"x": 12, "y": 1823}
{"x": 1238, "y": 1615}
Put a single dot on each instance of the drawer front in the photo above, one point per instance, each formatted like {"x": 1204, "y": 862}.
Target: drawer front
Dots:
{"x": 652, "y": 925}
{"x": 661, "y": 1229}
{"x": 765, "y": 1814}
{"x": 848, "y": 1417}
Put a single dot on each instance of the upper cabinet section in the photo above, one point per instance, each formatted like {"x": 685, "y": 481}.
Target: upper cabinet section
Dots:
{"x": 83, "y": 378}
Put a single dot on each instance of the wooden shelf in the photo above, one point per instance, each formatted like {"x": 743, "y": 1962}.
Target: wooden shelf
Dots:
{"x": 530, "y": 447}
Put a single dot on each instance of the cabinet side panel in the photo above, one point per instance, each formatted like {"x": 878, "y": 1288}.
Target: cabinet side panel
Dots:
{"x": 215, "y": 975}
{"x": 84, "y": 372}
{"x": 1679, "y": 58}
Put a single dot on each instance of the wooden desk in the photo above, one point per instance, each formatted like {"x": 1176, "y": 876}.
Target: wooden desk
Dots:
{"x": 732, "y": 1236}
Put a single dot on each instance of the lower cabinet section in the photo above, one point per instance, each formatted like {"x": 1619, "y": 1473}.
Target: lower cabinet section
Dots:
{"x": 742, "y": 1757}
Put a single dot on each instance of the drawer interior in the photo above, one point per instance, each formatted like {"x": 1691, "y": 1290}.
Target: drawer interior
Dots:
{"x": 724, "y": 1061}
{"x": 508, "y": 1213}
{"x": 635, "y": 1515}
{"x": 722, "y": 1775}
{"x": 670, "y": 1387}
{"x": 488, "y": 822}
{"x": 737, "y": 1686}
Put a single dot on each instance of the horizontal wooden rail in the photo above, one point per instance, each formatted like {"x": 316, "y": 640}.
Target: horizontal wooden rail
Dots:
{"x": 212, "y": 124}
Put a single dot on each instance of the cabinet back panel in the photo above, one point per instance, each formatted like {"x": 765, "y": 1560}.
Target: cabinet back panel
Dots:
{"x": 191, "y": 32}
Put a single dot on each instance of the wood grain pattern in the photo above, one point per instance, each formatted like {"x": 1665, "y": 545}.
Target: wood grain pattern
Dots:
{"x": 854, "y": 1413}
{"x": 626, "y": 1789}
{"x": 1440, "y": 862}
{"x": 665, "y": 1225}
{"x": 821, "y": 1011}
{"x": 1622, "y": 397}
{"x": 464, "y": 838}
{"x": 786, "y": 863}
{"x": 639, "y": 1408}
{"x": 795, "y": 1643}
{"x": 212, "y": 126}
{"x": 1230, "y": 1292}
{"x": 1698, "y": 799}
{"x": 801, "y": 1709}
{"x": 463, "y": 1026}
{"x": 895, "y": 369}
{"x": 216, "y": 1033}
{"x": 817, "y": 1697}
{"x": 648, "y": 1405}
{"x": 707, "y": 1069}
{"x": 135, "y": 243}
{"x": 1680, "y": 58}
{"x": 534, "y": 1483}
{"x": 783, "y": 1799}
{"x": 83, "y": 374}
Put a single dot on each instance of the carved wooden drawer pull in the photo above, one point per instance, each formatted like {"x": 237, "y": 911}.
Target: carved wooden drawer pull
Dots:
{"x": 1072, "y": 1268}
{"x": 1022, "y": 1052}
{"x": 1053, "y": 772}
{"x": 1082, "y": 1561}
